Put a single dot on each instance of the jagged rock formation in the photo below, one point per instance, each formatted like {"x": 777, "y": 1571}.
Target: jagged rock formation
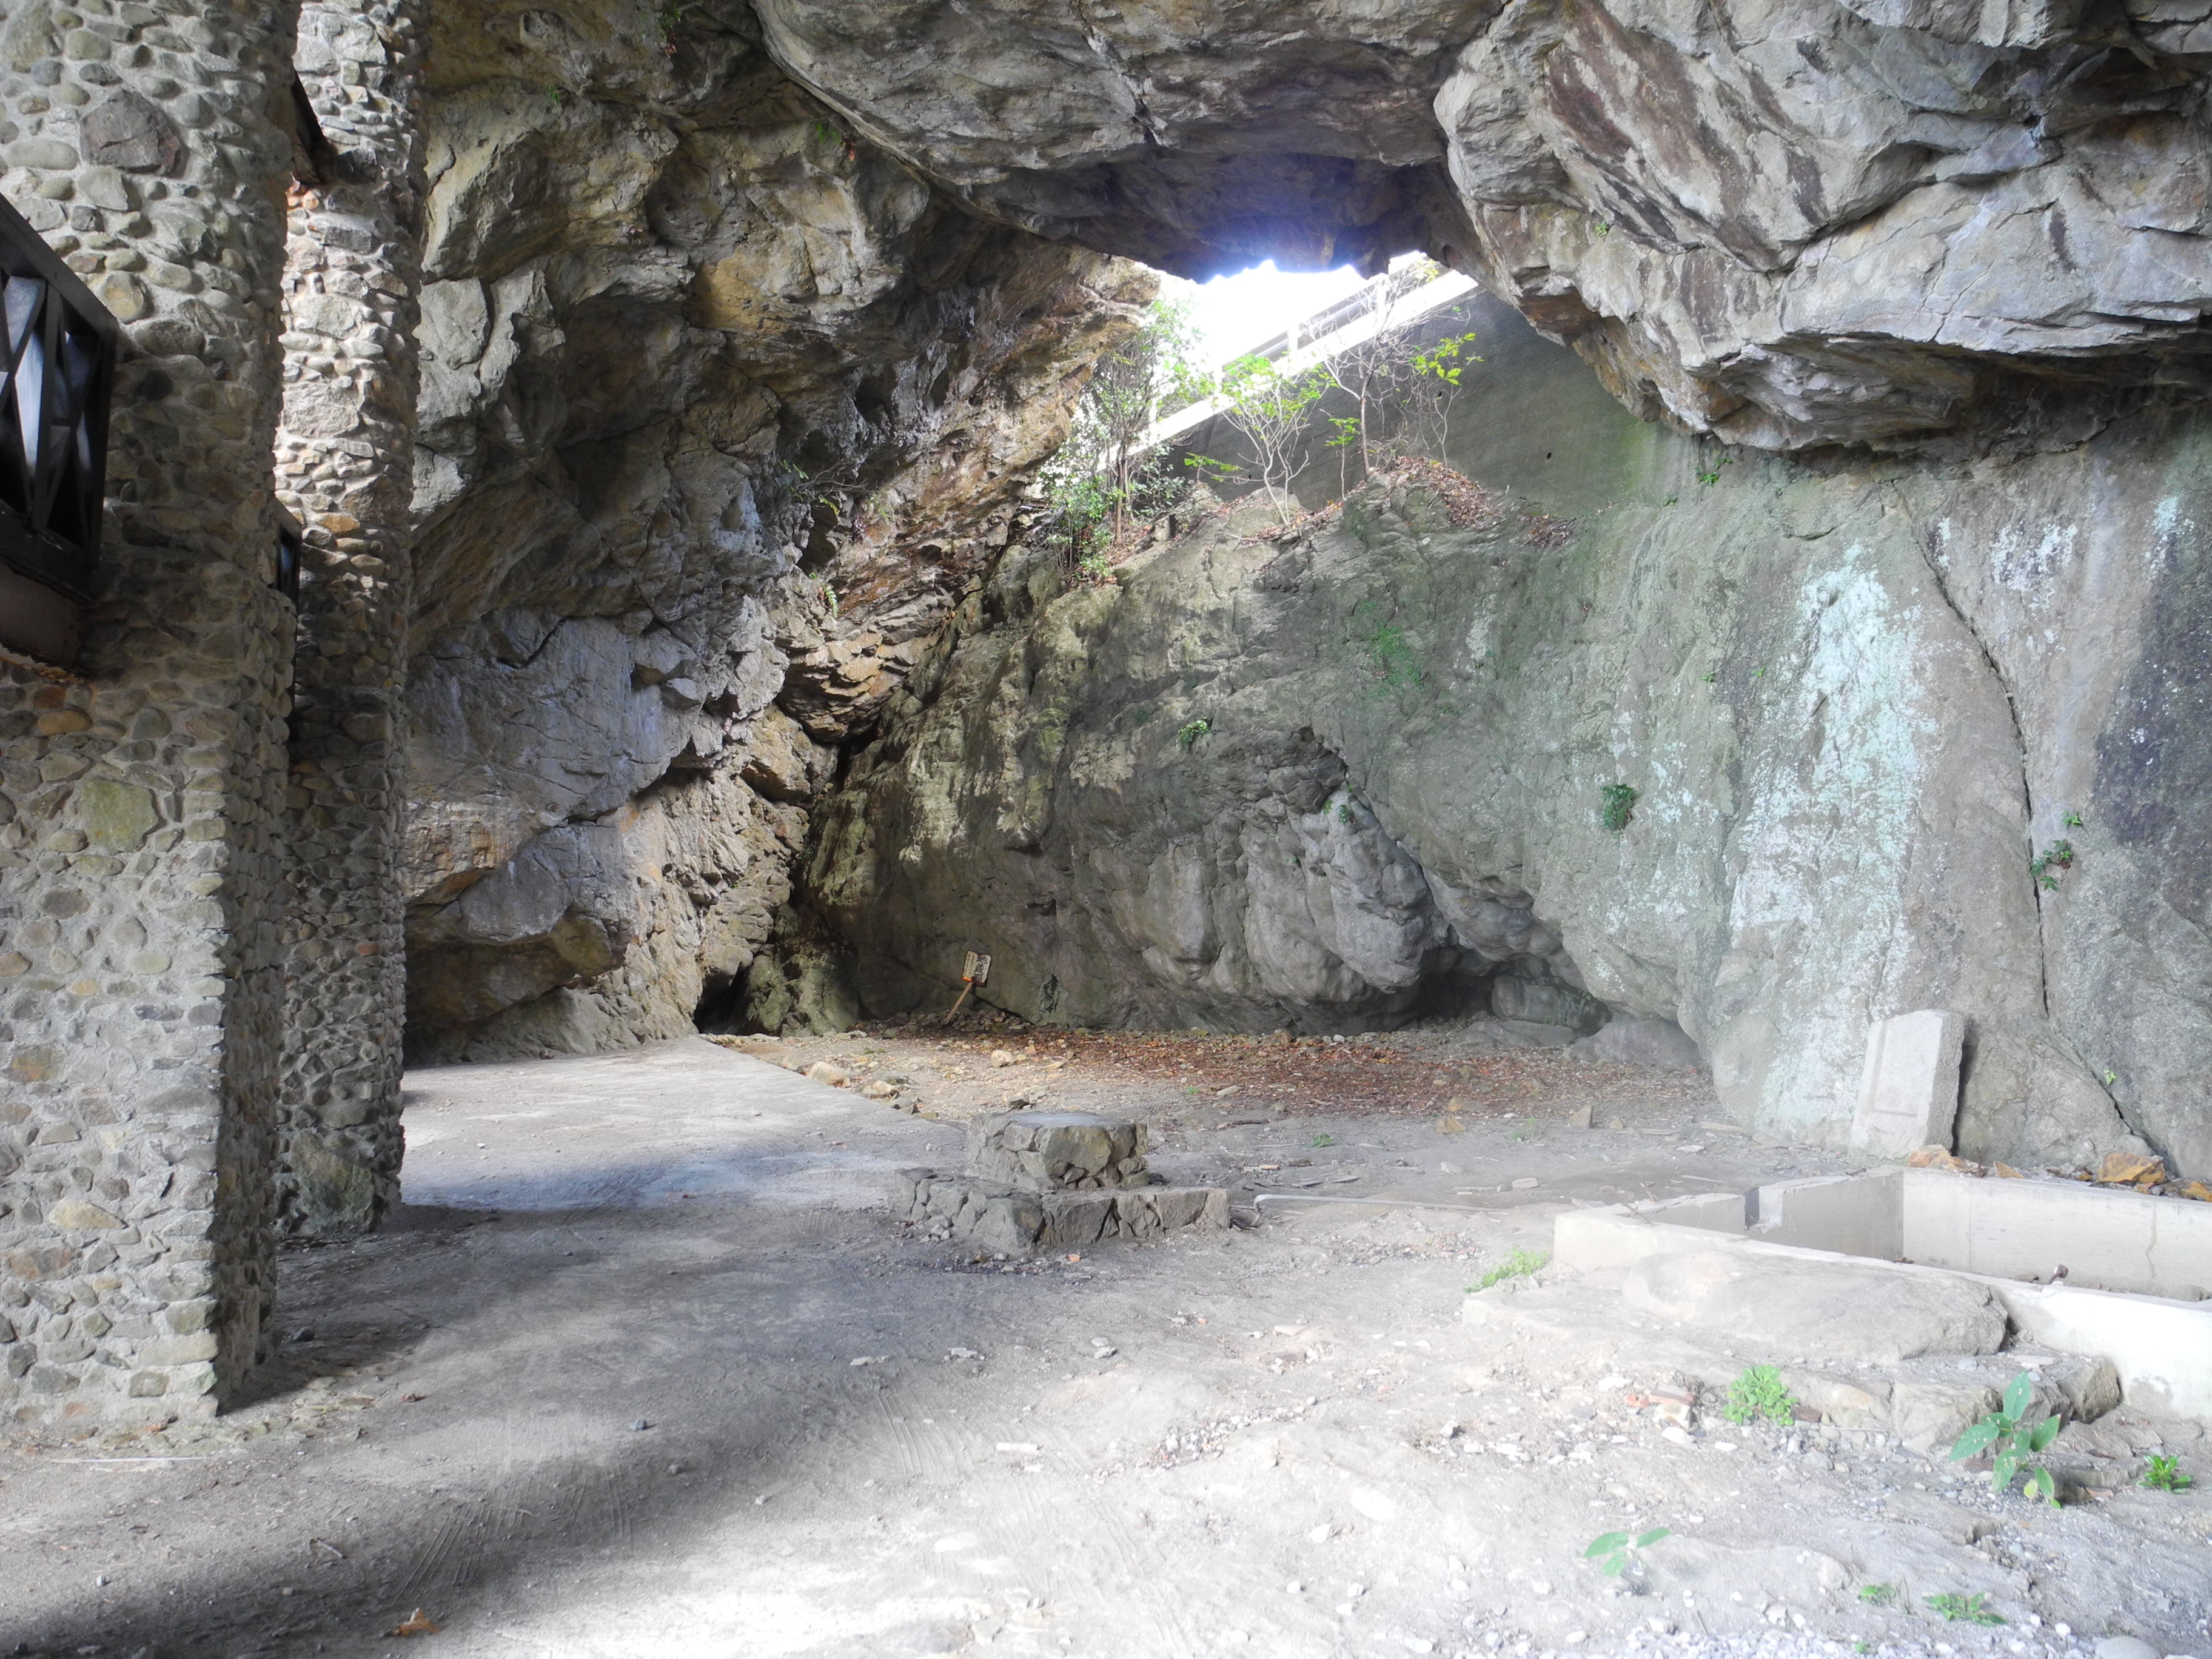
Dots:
{"x": 1814, "y": 224}
{"x": 679, "y": 325}
{"x": 743, "y": 328}
{"x": 1320, "y": 780}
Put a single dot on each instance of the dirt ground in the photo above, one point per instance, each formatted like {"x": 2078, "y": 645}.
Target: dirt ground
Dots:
{"x": 643, "y": 1369}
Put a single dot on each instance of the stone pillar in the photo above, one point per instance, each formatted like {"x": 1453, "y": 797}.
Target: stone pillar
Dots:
{"x": 344, "y": 465}
{"x": 140, "y": 841}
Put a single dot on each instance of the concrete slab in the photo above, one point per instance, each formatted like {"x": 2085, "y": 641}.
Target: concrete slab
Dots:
{"x": 2003, "y": 1234}
{"x": 1909, "y": 1092}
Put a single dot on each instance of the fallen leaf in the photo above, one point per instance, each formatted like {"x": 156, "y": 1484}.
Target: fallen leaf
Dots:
{"x": 2129, "y": 1169}
{"x": 1452, "y": 1124}
{"x": 2198, "y": 1190}
{"x": 418, "y": 1623}
{"x": 1936, "y": 1158}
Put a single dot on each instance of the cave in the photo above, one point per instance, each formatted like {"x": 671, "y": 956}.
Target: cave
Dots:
{"x": 571, "y": 575}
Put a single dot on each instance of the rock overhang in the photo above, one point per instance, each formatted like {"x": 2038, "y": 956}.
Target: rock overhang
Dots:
{"x": 1789, "y": 226}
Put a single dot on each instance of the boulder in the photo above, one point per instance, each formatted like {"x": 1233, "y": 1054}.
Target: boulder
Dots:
{"x": 1833, "y": 1310}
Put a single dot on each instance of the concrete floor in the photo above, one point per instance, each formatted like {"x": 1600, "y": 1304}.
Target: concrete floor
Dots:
{"x": 642, "y": 1369}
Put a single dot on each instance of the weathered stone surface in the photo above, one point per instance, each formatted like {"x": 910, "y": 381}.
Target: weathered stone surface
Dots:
{"x": 1908, "y": 1092}
{"x": 1641, "y": 1043}
{"x": 1850, "y": 697}
{"x": 720, "y": 409}
{"x": 1015, "y": 1220}
{"x": 345, "y": 471}
{"x": 141, "y": 854}
{"x": 1786, "y": 226}
{"x": 1828, "y": 1309}
{"x": 1058, "y": 1152}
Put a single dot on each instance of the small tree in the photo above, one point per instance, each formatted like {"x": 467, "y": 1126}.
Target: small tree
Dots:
{"x": 1432, "y": 380}
{"x": 1098, "y": 471}
{"x": 1375, "y": 371}
{"x": 1270, "y": 409}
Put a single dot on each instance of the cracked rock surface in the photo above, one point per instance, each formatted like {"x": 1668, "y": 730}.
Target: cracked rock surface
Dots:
{"x": 1332, "y": 778}
{"x": 679, "y": 325}
{"x": 1784, "y": 222}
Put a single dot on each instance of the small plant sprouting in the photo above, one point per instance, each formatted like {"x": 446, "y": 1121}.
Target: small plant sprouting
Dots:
{"x": 1758, "y": 1393}
{"x": 1390, "y": 659}
{"x": 1713, "y": 476}
{"x": 1877, "y": 1595}
{"x": 556, "y": 95}
{"x": 2073, "y": 820}
{"x": 1613, "y": 1551}
{"x": 1324, "y": 1140}
{"x": 1616, "y": 805}
{"x": 1964, "y": 1609}
{"x": 2111, "y": 1077}
{"x": 2012, "y": 1441}
{"x": 1344, "y": 812}
{"x": 1519, "y": 1265}
{"x": 2059, "y": 856}
{"x": 1190, "y": 732}
{"x": 2164, "y": 1474}
{"x": 1604, "y": 228}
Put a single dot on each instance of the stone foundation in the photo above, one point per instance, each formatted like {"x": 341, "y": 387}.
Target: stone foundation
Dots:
{"x": 1049, "y": 1181}
{"x": 1013, "y": 1221}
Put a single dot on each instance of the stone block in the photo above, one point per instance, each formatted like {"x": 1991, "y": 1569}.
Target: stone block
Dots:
{"x": 1640, "y": 1042}
{"x": 178, "y": 1350}
{"x": 1930, "y": 1417}
{"x": 995, "y": 1216}
{"x": 1832, "y": 1309}
{"x": 1908, "y": 1092}
{"x": 1059, "y": 1151}
{"x": 1075, "y": 1221}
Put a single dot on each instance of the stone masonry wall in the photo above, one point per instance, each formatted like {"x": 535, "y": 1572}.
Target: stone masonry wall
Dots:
{"x": 139, "y": 840}
{"x": 345, "y": 469}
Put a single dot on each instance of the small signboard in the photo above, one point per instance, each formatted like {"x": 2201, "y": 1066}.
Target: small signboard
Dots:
{"x": 977, "y": 970}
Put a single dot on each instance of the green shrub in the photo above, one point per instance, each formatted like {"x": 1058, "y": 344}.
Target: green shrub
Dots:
{"x": 1617, "y": 805}
{"x": 1519, "y": 1265}
{"x": 1757, "y": 1394}
{"x": 2012, "y": 1441}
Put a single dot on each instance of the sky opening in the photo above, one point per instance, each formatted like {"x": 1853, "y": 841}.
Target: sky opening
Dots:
{"x": 1233, "y": 313}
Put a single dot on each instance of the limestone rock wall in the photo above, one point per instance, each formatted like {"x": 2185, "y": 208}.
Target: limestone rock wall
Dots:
{"x": 1318, "y": 780}
{"x": 1788, "y": 225}
{"x": 140, "y": 845}
{"x": 720, "y": 408}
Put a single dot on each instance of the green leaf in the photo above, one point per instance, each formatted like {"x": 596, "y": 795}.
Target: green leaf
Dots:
{"x": 2017, "y": 1394}
{"x": 1652, "y": 1537}
{"x": 1614, "y": 1566}
{"x": 2040, "y": 1485}
{"x": 1607, "y": 1544}
{"x": 2008, "y": 1465}
{"x": 1977, "y": 1439}
{"x": 2043, "y": 1433}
